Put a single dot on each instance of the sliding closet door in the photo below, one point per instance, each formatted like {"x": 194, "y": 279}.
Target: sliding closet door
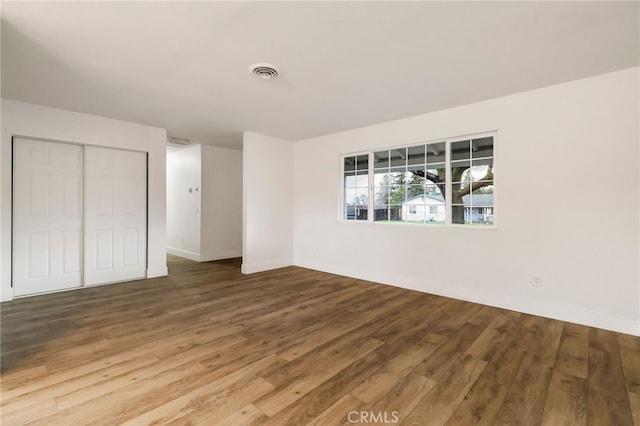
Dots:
{"x": 47, "y": 216}
{"x": 115, "y": 215}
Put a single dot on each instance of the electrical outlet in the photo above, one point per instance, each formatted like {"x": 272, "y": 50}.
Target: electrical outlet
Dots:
{"x": 536, "y": 281}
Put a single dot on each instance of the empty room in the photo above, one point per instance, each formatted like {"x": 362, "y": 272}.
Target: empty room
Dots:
{"x": 320, "y": 213}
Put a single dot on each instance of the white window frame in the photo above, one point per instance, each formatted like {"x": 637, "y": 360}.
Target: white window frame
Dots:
{"x": 341, "y": 217}
{"x": 448, "y": 183}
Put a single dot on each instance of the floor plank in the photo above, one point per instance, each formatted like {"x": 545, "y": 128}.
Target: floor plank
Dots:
{"x": 608, "y": 399}
{"x": 527, "y": 394}
{"x": 209, "y": 345}
{"x": 630, "y": 358}
{"x": 440, "y": 403}
{"x": 246, "y": 416}
{"x": 403, "y": 398}
{"x": 566, "y": 399}
{"x": 485, "y": 399}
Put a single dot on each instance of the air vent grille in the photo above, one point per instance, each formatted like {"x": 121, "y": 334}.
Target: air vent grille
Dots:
{"x": 264, "y": 71}
{"x": 173, "y": 141}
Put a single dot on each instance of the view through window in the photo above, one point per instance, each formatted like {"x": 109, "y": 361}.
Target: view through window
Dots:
{"x": 439, "y": 183}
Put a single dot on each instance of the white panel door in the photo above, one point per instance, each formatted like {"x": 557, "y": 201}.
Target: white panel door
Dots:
{"x": 115, "y": 215}
{"x": 47, "y": 216}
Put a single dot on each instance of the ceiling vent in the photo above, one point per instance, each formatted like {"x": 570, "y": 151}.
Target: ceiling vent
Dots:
{"x": 173, "y": 141}
{"x": 264, "y": 71}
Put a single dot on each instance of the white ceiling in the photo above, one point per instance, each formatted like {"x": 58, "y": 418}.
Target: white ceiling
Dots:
{"x": 183, "y": 65}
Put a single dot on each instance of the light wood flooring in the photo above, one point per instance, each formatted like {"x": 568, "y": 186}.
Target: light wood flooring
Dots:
{"x": 208, "y": 345}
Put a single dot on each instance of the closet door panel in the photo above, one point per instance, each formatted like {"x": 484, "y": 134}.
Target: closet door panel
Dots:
{"x": 115, "y": 215}
{"x": 47, "y": 216}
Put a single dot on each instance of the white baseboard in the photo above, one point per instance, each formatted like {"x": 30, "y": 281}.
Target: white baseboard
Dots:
{"x": 573, "y": 314}
{"x": 265, "y": 266}
{"x": 226, "y": 254}
{"x": 183, "y": 253}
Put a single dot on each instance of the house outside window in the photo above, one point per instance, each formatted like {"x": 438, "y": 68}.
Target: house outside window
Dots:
{"x": 450, "y": 182}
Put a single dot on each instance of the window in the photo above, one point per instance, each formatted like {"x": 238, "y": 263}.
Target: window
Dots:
{"x": 409, "y": 176}
{"x": 437, "y": 183}
{"x": 356, "y": 187}
{"x": 472, "y": 177}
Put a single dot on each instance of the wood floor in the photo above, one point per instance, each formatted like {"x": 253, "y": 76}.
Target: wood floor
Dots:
{"x": 208, "y": 345}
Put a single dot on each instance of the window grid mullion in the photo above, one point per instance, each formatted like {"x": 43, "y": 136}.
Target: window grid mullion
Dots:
{"x": 470, "y": 184}
{"x": 370, "y": 201}
{"x": 448, "y": 184}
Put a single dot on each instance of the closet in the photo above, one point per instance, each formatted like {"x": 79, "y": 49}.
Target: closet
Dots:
{"x": 79, "y": 215}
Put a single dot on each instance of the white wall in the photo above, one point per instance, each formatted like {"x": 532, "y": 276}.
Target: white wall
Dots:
{"x": 221, "y": 203}
{"x": 206, "y": 223}
{"x": 183, "y": 202}
{"x": 267, "y": 203}
{"x": 558, "y": 149}
{"x": 22, "y": 119}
